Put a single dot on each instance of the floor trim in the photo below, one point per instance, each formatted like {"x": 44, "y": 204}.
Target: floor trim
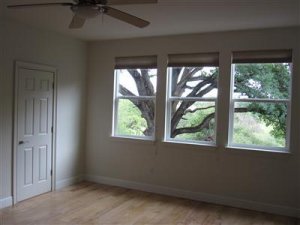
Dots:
{"x": 6, "y": 202}
{"x": 67, "y": 182}
{"x": 228, "y": 201}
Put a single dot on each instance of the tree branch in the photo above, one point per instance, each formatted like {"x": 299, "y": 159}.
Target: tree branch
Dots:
{"x": 204, "y": 124}
{"x": 148, "y": 86}
{"x": 197, "y": 88}
{"x": 142, "y": 81}
{"x": 124, "y": 91}
{"x": 197, "y": 78}
{"x": 197, "y": 109}
{"x": 186, "y": 75}
{"x": 188, "y": 87}
{"x": 207, "y": 89}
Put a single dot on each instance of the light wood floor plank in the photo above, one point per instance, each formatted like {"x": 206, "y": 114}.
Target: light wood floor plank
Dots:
{"x": 93, "y": 204}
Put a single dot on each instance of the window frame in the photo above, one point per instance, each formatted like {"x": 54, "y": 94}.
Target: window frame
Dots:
{"x": 288, "y": 101}
{"x": 168, "y": 111}
{"x": 117, "y": 97}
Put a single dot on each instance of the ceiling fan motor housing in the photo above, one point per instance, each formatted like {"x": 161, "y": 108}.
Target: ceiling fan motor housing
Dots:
{"x": 86, "y": 11}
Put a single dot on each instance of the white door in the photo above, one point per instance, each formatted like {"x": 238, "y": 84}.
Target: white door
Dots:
{"x": 34, "y": 132}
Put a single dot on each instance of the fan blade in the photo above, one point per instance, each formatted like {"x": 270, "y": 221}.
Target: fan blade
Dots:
{"x": 133, "y": 20}
{"x": 40, "y": 5}
{"x": 77, "y": 22}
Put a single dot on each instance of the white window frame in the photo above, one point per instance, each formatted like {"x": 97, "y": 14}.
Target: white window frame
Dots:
{"x": 170, "y": 99}
{"x": 231, "y": 144}
{"x": 117, "y": 97}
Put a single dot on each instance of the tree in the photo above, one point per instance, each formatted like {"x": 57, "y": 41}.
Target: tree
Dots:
{"x": 145, "y": 88}
{"x": 251, "y": 80}
{"x": 269, "y": 81}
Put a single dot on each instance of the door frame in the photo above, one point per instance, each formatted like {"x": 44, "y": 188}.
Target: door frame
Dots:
{"x": 40, "y": 67}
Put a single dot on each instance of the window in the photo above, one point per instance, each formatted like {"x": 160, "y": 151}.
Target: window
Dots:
{"x": 260, "y": 102}
{"x": 191, "y": 98}
{"x": 134, "y": 97}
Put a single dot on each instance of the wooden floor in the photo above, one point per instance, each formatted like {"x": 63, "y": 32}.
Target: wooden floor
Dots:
{"x": 89, "y": 203}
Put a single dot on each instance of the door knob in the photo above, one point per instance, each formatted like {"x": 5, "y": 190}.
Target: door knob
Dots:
{"x": 23, "y": 142}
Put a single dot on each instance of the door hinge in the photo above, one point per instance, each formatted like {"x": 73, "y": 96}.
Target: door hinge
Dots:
{"x": 51, "y": 173}
{"x": 53, "y": 85}
{"x": 52, "y": 129}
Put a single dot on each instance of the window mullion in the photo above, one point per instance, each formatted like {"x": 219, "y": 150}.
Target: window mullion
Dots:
{"x": 196, "y": 99}
{"x": 261, "y": 100}
{"x": 137, "y": 97}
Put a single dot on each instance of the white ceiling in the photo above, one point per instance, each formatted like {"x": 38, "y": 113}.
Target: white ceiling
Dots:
{"x": 168, "y": 17}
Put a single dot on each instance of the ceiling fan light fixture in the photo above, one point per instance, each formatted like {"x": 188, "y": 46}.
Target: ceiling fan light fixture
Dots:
{"x": 86, "y": 12}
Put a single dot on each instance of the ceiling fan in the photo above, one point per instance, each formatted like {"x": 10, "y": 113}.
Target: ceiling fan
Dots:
{"x": 86, "y": 9}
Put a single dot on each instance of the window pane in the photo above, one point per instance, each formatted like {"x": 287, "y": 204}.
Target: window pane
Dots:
{"x": 193, "y": 121}
{"x": 194, "y": 81}
{"x": 136, "y": 82}
{"x": 264, "y": 80}
{"x": 135, "y": 117}
{"x": 262, "y": 124}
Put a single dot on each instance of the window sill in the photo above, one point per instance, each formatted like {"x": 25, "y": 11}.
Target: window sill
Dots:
{"x": 135, "y": 140}
{"x": 257, "y": 150}
{"x": 193, "y": 145}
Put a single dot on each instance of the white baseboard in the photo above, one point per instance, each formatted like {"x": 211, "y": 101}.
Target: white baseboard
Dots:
{"x": 67, "y": 182}
{"x": 222, "y": 200}
{"x": 6, "y": 202}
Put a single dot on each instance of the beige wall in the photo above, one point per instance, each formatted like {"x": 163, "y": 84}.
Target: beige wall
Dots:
{"x": 268, "y": 178}
{"x": 18, "y": 42}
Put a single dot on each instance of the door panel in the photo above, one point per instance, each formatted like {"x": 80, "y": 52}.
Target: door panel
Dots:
{"x": 29, "y": 117}
{"x": 28, "y": 166}
{"x": 34, "y": 123}
{"x": 43, "y": 116}
{"x": 43, "y": 153}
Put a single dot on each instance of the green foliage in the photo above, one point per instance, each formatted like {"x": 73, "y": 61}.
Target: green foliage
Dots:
{"x": 268, "y": 80}
{"x": 272, "y": 81}
{"x": 192, "y": 119}
{"x": 130, "y": 121}
{"x": 273, "y": 115}
{"x": 249, "y": 130}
